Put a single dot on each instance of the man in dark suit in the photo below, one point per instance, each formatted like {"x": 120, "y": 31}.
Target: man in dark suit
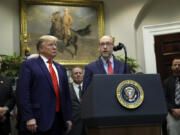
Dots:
{"x": 79, "y": 127}
{"x": 172, "y": 93}
{"x": 43, "y": 97}
{"x": 7, "y": 102}
{"x": 106, "y": 64}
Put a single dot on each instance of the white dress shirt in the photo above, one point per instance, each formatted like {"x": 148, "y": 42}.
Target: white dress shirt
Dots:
{"x": 76, "y": 88}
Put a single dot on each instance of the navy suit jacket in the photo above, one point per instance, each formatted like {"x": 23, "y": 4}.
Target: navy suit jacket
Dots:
{"x": 36, "y": 96}
{"x": 97, "y": 67}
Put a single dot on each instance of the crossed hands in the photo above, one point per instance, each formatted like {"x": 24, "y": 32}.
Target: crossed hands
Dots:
{"x": 3, "y": 111}
{"x": 176, "y": 113}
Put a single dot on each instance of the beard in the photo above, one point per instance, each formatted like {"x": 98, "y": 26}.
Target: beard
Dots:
{"x": 176, "y": 72}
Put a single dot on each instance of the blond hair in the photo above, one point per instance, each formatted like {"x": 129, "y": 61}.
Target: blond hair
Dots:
{"x": 45, "y": 38}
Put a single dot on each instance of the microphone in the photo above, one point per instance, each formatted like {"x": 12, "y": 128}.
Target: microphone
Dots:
{"x": 118, "y": 47}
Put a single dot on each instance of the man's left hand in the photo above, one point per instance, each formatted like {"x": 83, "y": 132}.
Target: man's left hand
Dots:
{"x": 69, "y": 126}
{"x": 3, "y": 111}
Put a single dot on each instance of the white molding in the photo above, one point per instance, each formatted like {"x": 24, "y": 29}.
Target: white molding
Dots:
{"x": 148, "y": 36}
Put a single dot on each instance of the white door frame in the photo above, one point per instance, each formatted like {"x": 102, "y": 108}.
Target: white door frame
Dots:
{"x": 148, "y": 36}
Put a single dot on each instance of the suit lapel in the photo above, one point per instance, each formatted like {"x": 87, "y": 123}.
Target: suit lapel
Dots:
{"x": 101, "y": 66}
{"x": 173, "y": 83}
{"x": 74, "y": 93}
{"x": 45, "y": 70}
{"x": 116, "y": 66}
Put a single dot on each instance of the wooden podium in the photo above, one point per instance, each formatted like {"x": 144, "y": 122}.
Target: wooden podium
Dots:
{"x": 104, "y": 115}
{"x": 126, "y": 130}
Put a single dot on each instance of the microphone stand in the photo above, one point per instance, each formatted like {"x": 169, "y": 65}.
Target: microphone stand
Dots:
{"x": 125, "y": 59}
{"x": 119, "y": 47}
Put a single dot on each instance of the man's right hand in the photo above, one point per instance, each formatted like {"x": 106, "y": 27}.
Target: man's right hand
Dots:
{"x": 2, "y": 119}
{"x": 31, "y": 125}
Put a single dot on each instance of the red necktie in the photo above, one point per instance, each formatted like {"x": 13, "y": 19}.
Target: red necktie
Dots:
{"x": 110, "y": 70}
{"x": 55, "y": 84}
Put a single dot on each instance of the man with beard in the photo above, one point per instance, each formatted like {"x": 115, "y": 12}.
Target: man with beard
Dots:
{"x": 172, "y": 93}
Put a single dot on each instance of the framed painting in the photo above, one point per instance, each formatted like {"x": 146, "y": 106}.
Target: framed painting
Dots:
{"x": 78, "y": 25}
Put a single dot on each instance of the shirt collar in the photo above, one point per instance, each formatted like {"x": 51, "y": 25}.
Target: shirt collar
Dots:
{"x": 77, "y": 85}
{"x": 44, "y": 58}
{"x": 105, "y": 62}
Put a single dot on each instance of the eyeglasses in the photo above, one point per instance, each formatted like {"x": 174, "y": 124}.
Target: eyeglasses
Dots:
{"x": 105, "y": 43}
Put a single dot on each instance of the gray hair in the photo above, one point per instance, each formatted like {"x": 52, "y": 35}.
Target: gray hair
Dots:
{"x": 77, "y": 67}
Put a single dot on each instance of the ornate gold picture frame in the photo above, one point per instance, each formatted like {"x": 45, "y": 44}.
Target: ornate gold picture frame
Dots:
{"x": 77, "y": 31}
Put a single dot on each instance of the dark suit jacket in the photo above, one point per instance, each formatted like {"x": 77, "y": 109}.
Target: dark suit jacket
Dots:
{"x": 6, "y": 99}
{"x": 97, "y": 67}
{"x": 78, "y": 127}
{"x": 169, "y": 88}
{"x": 36, "y": 95}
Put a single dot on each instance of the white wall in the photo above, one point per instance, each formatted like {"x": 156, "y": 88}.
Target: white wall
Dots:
{"x": 120, "y": 16}
{"x": 9, "y": 27}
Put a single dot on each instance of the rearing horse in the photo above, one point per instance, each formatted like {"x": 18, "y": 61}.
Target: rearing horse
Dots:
{"x": 57, "y": 30}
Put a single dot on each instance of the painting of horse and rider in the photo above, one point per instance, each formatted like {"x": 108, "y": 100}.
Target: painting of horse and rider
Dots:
{"x": 75, "y": 27}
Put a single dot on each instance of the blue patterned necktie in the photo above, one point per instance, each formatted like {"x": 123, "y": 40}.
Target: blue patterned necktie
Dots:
{"x": 177, "y": 91}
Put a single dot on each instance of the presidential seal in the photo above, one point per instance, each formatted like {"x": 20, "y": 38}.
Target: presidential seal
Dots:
{"x": 130, "y": 94}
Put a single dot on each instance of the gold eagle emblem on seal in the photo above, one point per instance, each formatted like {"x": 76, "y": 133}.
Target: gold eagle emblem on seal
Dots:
{"x": 130, "y": 94}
